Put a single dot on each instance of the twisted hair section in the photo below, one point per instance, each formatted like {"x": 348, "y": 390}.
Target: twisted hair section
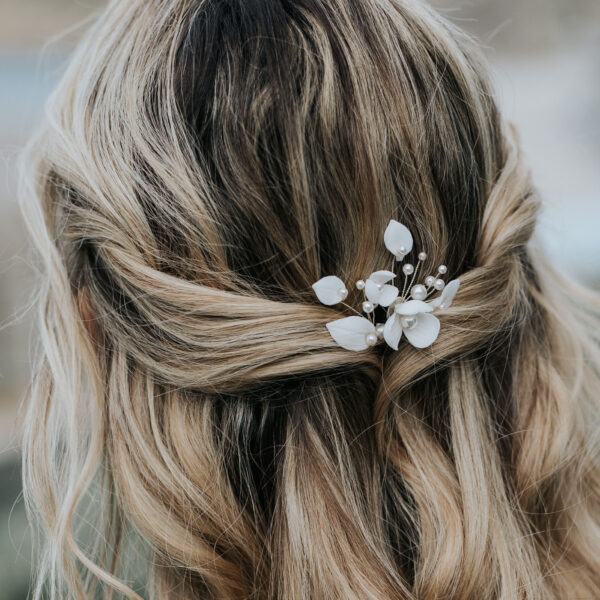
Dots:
{"x": 201, "y": 165}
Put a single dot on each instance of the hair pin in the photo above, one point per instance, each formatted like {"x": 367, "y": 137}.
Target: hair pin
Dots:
{"x": 409, "y": 311}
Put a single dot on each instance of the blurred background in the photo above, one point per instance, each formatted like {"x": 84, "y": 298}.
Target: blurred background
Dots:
{"x": 545, "y": 59}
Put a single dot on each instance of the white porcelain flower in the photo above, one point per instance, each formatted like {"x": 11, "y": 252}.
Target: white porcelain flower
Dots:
{"x": 353, "y": 333}
{"x": 398, "y": 239}
{"x": 330, "y": 290}
{"x": 378, "y": 291}
{"x": 412, "y": 318}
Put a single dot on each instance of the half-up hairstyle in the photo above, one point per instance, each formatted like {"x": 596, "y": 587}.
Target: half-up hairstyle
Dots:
{"x": 203, "y": 162}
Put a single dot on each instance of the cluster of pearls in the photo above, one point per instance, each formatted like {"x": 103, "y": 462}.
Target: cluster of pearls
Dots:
{"x": 372, "y": 338}
{"x": 419, "y": 291}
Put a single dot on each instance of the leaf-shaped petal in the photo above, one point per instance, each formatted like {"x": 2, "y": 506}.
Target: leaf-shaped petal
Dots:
{"x": 447, "y": 295}
{"x": 424, "y": 332}
{"x": 329, "y": 290}
{"x": 392, "y": 332}
{"x": 382, "y": 276}
{"x": 413, "y": 307}
{"x": 351, "y": 332}
{"x": 398, "y": 236}
{"x": 373, "y": 291}
{"x": 388, "y": 294}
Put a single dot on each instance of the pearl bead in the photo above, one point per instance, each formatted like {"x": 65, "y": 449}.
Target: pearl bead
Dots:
{"x": 408, "y": 269}
{"x": 442, "y": 269}
{"x": 418, "y": 292}
{"x": 409, "y": 322}
{"x": 343, "y": 293}
{"x": 371, "y": 339}
{"x": 360, "y": 284}
{"x": 422, "y": 255}
{"x": 439, "y": 284}
{"x": 429, "y": 280}
{"x": 379, "y": 329}
{"x": 402, "y": 250}
{"x": 379, "y": 286}
{"x": 368, "y": 307}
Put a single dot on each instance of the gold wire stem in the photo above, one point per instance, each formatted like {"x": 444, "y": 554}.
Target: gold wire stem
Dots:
{"x": 414, "y": 276}
{"x": 351, "y": 308}
{"x": 404, "y": 288}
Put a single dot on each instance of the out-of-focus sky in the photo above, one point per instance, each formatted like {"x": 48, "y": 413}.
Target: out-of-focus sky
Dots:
{"x": 545, "y": 60}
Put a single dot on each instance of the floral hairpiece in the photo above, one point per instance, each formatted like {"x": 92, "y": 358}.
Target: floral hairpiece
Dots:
{"x": 408, "y": 311}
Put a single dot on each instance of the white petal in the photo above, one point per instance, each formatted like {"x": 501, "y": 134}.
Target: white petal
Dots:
{"x": 372, "y": 292}
{"x": 392, "y": 332}
{"x": 397, "y": 236}
{"x": 351, "y": 332}
{"x": 382, "y": 276}
{"x": 413, "y": 307}
{"x": 388, "y": 294}
{"x": 328, "y": 289}
{"x": 425, "y": 332}
{"x": 435, "y": 303}
{"x": 447, "y": 295}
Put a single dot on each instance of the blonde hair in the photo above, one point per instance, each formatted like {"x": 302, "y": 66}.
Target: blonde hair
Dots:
{"x": 202, "y": 164}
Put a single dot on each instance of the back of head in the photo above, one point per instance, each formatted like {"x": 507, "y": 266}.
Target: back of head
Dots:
{"x": 202, "y": 165}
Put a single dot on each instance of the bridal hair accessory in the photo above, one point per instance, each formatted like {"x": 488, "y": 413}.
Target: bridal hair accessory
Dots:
{"x": 408, "y": 311}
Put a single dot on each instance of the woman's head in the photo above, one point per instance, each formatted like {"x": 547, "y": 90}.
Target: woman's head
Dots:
{"x": 203, "y": 163}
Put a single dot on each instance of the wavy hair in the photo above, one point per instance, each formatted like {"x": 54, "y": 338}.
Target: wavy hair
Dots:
{"x": 202, "y": 163}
